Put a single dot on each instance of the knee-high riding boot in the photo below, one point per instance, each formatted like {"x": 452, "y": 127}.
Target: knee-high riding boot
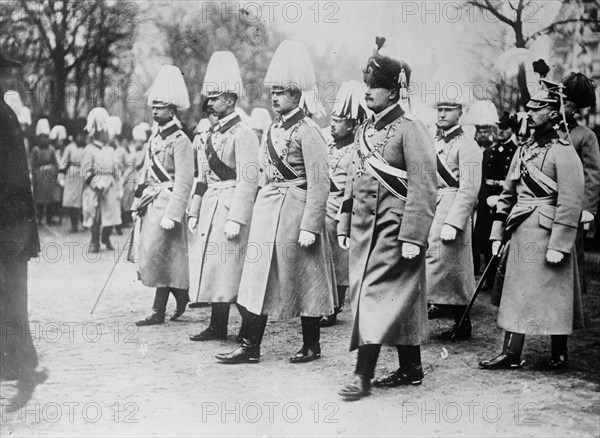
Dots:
{"x": 161, "y": 297}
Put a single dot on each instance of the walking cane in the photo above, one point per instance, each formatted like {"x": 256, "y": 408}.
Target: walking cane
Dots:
{"x": 489, "y": 268}
{"x": 127, "y": 241}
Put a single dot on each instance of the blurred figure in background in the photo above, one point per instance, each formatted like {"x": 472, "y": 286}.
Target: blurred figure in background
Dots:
{"x": 58, "y": 140}
{"x": 71, "y": 168}
{"x": 580, "y": 93}
{"x": 260, "y": 119}
{"x": 44, "y": 165}
{"x": 496, "y": 161}
{"x": 100, "y": 201}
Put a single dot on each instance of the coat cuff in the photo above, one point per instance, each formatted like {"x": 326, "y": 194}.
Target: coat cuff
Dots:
{"x": 497, "y": 230}
{"x": 562, "y": 238}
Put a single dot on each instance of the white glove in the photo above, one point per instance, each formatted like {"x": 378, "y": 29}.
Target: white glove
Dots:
{"x": 306, "y": 238}
{"x": 134, "y": 216}
{"x": 554, "y": 257}
{"x": 409, "y": 250}
{"x": 586, "y": 217}
{"x": 495, "y": 247}
{"x": 167, "y": 224}
{"x": 344, "y": 242}
{"x": 232, "y": 230}
{"x": 492, "y": 200}
{"x": 192, "y": 222}
{"x": 448, "y": 233}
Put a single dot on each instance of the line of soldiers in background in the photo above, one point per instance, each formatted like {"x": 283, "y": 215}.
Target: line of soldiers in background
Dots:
{"x": 55, "y": 156}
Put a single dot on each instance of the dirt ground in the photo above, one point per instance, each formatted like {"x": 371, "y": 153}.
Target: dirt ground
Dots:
{"x": 109, "y": 378}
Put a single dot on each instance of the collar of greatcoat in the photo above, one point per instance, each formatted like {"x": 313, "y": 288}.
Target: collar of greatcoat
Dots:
{"x": 290, "y": 119}
{"x": 451, "y": 133}
{"x": 342, "y": 142}
{"x": 168, "y": 128}
{"x": 387, "y": 116}
{"x": 227, "y": 122}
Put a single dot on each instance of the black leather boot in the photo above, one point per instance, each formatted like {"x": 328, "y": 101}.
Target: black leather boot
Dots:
{"x": 105, "y": 239}
{"x": 181, "y": 298}
{"x": 456, "y": 333}
{"x": 217, "y": 329}
{"x": 311, "y": 333}
{"x": 559, "y": 359}
{"x": 95, "y": 238}
{"x": 241, "y": 334}
{"x": 409, "y": 372}
{"x": 249, "y": 351}
{"x": 158, "y": 308}
{"x": 435, "y": 311}
{"x": 74, "y": 216}
{"x": 510, "y": 358}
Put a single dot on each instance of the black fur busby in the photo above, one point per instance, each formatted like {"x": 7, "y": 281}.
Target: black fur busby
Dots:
{"x": 508, "y": 121}
{"x": 580, "y": 90}
{"x": 385, "y": 72}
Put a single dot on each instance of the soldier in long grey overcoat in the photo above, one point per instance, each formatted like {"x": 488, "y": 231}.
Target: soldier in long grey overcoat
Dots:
{"x": 450, "y": 279}
{"x": 388, "y": 208}
{"x": 288, "y": 269}
{"x": 540, "y": 208}
{"x": 221, "y": 206}
{"x": 162, "y": 200}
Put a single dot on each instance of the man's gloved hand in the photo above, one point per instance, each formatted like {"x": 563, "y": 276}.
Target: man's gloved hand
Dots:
{"x": 167, "y": 224}
{"x": 306, "y": 238}
{"x": 448, "y": 233}
{"x": 232, "y": 230}
{"x": 554, "y": 257}
{"x": 495, "y": 247}
{"x": 492, "y": 200}
{"x": 410, "y": 251}
{"x": 192, "y": 223}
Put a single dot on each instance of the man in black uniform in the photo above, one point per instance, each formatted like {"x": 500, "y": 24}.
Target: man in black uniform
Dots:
{"x": 496, "y": 161}
{"x": 18, "y": 243}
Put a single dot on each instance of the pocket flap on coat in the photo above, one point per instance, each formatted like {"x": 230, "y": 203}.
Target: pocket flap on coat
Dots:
{"x": 546, "y": 215}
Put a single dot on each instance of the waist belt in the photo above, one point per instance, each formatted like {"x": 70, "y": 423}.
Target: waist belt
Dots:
{"x": 222, "y": 184}
{"x": 534, "y": 202}
{"x": 445, "y": 190}
{"x": 160, "y": 185}
{"x": 494, "y": 182}
{"x": 298, "y": 182}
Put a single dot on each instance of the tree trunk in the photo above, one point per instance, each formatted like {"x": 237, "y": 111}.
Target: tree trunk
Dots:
{"x": 58, "y": 103}
{"x": 521, "y": 76}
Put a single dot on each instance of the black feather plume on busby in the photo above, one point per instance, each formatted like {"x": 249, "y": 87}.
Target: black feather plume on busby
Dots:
{"x": 580, "y": 90}
{"x": 385, "y": 72}
{"x": 540, "y": 67}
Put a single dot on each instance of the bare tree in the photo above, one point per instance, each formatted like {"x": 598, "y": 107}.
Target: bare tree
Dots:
{"x": 61, "y": 40}
{"x": 514, "y": 13}
{"x": 192, "y": 37}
